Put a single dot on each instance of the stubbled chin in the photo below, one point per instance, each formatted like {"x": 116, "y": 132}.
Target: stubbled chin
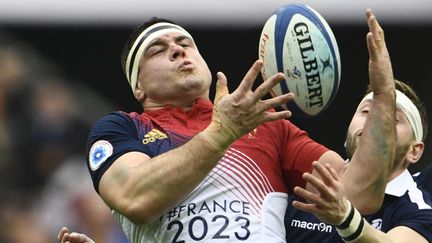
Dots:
{"x": 192, "y": 81}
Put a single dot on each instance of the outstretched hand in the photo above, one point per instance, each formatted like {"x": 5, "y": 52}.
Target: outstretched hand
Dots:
{"x": 243, "y": 110}
{"x": 328, "y": 202}
{"x": 65, "y": 236}
{"x": 380, "y": 69}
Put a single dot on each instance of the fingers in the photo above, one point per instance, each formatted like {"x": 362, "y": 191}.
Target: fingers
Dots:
{"x": 380, "y": 68}
{"x": 324, "y": 191}
{"x": 273, "y": 116}
{"x": 371, "y": 46}
{"x": 251, "y": 75}
{"x": 375, "y": 28}
{"x": 310, "y": 197}
{"x": 325, "y": 173}
{"x": 278, "y": 100}
{"x": 325, "y": 185}
{"x": 62, "y": 232}
{"x": 79, "y": 238}
{"x": 253, "y": 98}
{"x": 244, "y": 109}
{"x": 265, "y": 105}
{"x": 267, "y": 86}
{"x": 221, "y": 87}
{"x": 63, "y": 235}
{"x": 375, "y": 38}
{"x": 328, "y": 202}
{"x": 311, "y": 208}
{"x": 333, "y": 172}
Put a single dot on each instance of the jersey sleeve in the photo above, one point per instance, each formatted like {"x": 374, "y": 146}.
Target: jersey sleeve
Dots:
{"x": 419, "y": 221}
{"x": 412, "y": 210}
{"x": 110, "y": 137}
{"x": 298, "y": 153}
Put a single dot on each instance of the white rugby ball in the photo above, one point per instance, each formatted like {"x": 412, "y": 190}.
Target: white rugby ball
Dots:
{"x": 297, "y": 41}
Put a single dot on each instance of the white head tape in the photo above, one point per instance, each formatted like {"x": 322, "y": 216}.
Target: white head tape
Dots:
{"x": 140, "y": 44}
{"x": 409, "y": 109}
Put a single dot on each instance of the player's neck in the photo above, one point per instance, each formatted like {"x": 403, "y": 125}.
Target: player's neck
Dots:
{"x": 396, "y": 172}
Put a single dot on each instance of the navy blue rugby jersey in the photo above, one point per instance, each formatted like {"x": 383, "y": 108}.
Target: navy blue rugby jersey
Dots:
{"x": 405, "y": 204}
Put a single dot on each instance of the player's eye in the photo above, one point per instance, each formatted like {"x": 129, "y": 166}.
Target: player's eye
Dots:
{"x": 156, "y": 51}
{"x": 365, "y": 110}
{"x": 185, "y": 42}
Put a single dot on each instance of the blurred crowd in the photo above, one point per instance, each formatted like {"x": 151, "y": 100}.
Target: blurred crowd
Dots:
{"x": 44, "y": 120}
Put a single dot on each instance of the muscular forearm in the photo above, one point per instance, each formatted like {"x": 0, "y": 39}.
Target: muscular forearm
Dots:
{"x": 145, "y": 191}
{"x": 367, "y": 174}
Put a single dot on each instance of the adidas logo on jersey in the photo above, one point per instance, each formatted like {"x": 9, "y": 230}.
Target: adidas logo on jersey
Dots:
{"x": 153, "y": 135}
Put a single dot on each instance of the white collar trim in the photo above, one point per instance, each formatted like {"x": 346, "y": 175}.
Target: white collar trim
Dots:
{"x": 400, "y": 184}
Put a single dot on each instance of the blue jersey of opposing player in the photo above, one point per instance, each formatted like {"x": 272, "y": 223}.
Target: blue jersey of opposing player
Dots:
{"x": 405, "y": 204}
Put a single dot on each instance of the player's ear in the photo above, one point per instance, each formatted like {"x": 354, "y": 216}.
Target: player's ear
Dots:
{"x": 139, "y": 93}
{"x": 415, "y": 153}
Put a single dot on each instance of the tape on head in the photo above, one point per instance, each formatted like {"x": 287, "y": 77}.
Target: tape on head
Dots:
{"x": 142, "y": 41}
{"x": 409, "y": 109}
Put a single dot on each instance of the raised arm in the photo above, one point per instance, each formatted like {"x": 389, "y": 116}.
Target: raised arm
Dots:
{"x": 367, "y": 174}
{"x": 365, "y": 177}
{"x": 142, "y": 188}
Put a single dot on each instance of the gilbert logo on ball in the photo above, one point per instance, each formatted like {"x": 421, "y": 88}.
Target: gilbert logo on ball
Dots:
{"x": 297, "y": 41}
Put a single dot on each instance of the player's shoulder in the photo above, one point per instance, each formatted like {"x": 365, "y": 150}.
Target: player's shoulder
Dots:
{"x": 420, "y": 194}
{"x": 117, "y": 116}
{"x": 286, "y": 129}
{"x": 114, "y": 122}
{"x": 115, "y": 119}
{"x": 415, "y": 200}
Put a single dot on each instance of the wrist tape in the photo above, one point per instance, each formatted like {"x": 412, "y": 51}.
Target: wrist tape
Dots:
{"x": 352, "y": 226}
{"x": 212, "y": 142}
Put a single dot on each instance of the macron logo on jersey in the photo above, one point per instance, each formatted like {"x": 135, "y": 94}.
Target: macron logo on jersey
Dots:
{"x": 321, "y": 227}
{"x": 99, "y": 153}
{"x": 153, "y": 135}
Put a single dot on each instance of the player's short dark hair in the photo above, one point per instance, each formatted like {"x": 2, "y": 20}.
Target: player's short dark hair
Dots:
{"x": 412, "y": 95}
{"x": 138, "y": 30}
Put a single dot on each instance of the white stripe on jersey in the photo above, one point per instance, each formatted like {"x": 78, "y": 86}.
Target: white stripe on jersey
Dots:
{"x": 239, "y": 177}
{"x": 416, "y": 196}
{"x": 263, "y": 180}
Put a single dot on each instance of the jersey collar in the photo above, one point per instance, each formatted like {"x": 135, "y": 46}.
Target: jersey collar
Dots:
{"x": 400, "y": 184}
